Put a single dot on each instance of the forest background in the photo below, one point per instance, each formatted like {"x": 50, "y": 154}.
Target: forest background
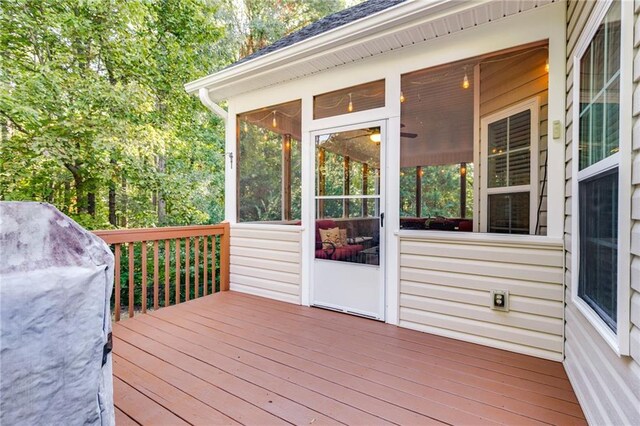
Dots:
{"x": 93, "y": 114}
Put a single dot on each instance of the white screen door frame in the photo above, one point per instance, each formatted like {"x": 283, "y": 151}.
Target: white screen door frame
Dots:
{"x": 352, "y": 288}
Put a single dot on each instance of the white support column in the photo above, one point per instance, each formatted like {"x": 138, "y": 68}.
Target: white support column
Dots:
{"x": 307, "y": 210}
{"x": 556, "y": 105}
{"x": 230, "y": 168}
{"x": 392, "y": 197}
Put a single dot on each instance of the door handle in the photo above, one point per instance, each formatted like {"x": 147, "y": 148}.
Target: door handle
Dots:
{"x": 381, "y": 220}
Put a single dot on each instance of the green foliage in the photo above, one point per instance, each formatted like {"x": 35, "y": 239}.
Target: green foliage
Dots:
{"x": 93, "y": 114}
{"x": 169, "y": 256}
{"x": 440, "y": 191}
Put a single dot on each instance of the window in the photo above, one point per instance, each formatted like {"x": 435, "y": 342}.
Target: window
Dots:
{"x": 351, "y": 99}
{"x": 269, "y": 164}
{"x": 469, "y": 155}
{"x": 598, "y": 169}
{"x": 508, "y": 139}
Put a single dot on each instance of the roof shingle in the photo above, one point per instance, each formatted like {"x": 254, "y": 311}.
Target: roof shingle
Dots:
{"x": 323, "y": 25}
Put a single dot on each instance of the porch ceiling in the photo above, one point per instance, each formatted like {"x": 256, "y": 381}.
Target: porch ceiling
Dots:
{"x": 406, "y": 24}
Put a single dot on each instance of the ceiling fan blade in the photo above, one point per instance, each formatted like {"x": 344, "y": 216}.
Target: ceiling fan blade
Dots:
{"x": 408, "y": 135}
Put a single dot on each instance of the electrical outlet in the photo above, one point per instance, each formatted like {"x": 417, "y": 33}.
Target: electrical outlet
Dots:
{"x": 500, "y": 300}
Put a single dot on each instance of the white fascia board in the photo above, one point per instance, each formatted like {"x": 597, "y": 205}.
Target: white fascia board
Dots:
{"x": 374, "y": 26}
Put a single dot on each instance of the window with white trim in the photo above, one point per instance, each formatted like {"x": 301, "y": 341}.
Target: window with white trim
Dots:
{"x": 598, "y": 169}
{"x": 510, "y": 171}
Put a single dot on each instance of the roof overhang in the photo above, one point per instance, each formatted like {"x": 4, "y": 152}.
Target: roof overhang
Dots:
{"x": 405, "y": 24}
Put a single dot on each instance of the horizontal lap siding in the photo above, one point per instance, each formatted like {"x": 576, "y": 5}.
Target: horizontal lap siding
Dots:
{"x": 266, "y": 262}
{"x": 608, "y": 386}
{"x": 445, "y": 289}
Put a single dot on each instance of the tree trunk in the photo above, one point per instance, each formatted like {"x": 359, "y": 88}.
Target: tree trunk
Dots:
{"x": 91, "y": 203}
{"x": 123, "y": 216}
{"x": 162, "y": 210}
{"x": 112, "y": 196}
{"x": 67, "y": 197}
{"x": 81, "y": 200}
{"x": 112, "y": 204}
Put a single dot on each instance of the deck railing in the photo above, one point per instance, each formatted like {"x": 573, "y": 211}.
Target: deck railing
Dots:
{"x": 207, "y": 245}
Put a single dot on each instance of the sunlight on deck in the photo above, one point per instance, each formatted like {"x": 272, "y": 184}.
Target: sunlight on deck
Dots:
{"x": 233, "y": 358}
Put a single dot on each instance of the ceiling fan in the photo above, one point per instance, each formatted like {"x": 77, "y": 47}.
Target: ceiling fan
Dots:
{"x": 374, "y": 134}
{"x": 407, "y": 135}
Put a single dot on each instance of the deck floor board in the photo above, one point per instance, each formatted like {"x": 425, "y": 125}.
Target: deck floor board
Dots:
{"x": 234, "y": 358}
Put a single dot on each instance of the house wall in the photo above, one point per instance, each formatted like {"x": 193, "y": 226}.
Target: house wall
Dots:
{"x": 445, "y": 288}
{"x": 607, "y": 385}
{"x": 508, "y": 82}
{"x": 533, "y": 26}
{"x": 266, "y": 261}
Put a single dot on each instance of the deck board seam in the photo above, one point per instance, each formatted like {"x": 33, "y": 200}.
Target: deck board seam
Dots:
{"x": 462, "y": 396}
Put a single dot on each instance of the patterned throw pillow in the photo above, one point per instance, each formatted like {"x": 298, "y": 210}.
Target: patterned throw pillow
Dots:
{"x": 329, "y": 236}
{"x": 343, "y": 237}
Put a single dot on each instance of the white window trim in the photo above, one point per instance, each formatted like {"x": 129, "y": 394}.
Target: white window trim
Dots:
{"x": 533, "y": 105}
{"x": 618, "y": 341}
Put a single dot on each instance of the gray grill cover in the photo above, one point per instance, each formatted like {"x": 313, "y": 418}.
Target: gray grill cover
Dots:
{"x": 55, "y": 287}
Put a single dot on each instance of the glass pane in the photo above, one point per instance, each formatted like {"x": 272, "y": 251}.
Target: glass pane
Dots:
{"x": 331, "y": 169}
{"x": 362, "y": 149}
{"x": 598, "y": 273}
{"x": 498, "y": 136}
{"x": 612, "y": 22}
{"x": 347, "y": 228}
{"x": 354, "y": 240}
{"x": 597, "y": 128}
{"x": 519, "y": 167}
{"x": 509, "y": 213}
{"x": 331, "y": 208}
{"x": 441, "y": 191}
{"x": 520, "y": 130}
{"x": 351, "y": 99}
{"x": 407, "y": 193}
{"x": 497, "y": 175}
{"x": 585, "y": 132}
{"x": 612, "y": 119}
{"x": 585, "y": 78}
{"x": 268, "y": 187}
{"x": 599, "y": 58}
{"x": 600, "y": 97}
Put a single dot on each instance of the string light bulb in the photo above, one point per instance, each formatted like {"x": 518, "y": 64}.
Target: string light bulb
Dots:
{"x": 402, "y": 99}
{"x": 274, "y": 122}
{"x": 546, "y": 65}
{"x": 350, "y": 107}
{"x": 246, "y": 128}
{"x": 465, "y": 81}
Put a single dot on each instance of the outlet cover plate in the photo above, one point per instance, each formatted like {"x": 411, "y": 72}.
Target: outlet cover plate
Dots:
{"x": 499, "y": 300}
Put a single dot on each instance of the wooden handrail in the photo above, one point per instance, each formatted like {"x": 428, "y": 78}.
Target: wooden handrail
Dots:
{"x": 177, "y": 283}
{"x": 113, "y": 236}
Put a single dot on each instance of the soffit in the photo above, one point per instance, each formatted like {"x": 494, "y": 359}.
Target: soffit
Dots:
{"x": 387, "y": 31}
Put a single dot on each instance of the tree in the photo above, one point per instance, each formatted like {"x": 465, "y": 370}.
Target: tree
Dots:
{"x": 93, "y": 112}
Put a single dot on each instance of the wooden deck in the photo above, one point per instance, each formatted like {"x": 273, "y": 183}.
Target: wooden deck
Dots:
{"x": 231, "y": 358}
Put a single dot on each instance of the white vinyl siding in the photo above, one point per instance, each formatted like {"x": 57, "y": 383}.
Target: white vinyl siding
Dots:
{"x": 266, "y": 261}
{"x": 606, "y": 384}
{"x": 445, "y": 288}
